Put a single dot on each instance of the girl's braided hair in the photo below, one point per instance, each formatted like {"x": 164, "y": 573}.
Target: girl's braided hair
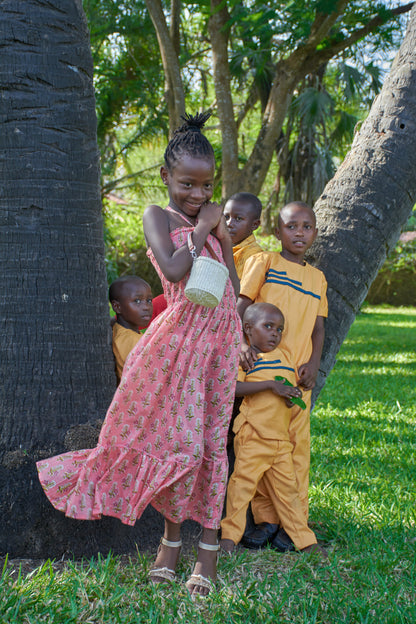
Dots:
{"x": 188, "y": 139}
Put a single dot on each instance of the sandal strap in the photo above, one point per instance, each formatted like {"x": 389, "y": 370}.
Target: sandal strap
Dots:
{"x": 162, "y": 573}
{"x": 170, "y": 544}
{"x": 200, "y": 581}
{"x": 211, "y": 547}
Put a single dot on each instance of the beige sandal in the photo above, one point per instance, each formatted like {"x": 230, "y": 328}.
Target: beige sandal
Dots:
{"x": 197, "y": 580}
{"x": 164, "y": 575}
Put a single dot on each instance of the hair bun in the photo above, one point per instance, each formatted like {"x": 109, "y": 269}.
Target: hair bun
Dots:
{"x": 194, "y": 122}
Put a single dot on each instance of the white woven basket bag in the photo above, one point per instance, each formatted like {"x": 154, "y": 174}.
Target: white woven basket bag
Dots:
{"x": 206, "y": 283}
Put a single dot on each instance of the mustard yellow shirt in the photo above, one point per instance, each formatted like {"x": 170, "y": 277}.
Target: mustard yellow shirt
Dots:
{"x": 266, "y": 412}
{"x": 248, "y": 247}
{"x": 123, "y": 342}
{"x": 299, "y": 291}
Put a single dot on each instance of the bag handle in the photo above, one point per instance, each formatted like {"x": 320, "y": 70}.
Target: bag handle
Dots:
{"x": 192, "y": 249}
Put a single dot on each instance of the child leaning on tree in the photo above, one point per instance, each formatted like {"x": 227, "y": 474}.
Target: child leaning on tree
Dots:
{"x": 132, "y": 300}
{"x": 299, "y": 291}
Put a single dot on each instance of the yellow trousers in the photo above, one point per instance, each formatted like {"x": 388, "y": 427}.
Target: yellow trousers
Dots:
{"x": 257, "y": 458}
{"x": 299, "y": 435}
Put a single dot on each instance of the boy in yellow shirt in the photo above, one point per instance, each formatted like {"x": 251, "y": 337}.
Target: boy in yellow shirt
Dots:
{"x": 242, "y": 215}
{"x": 262, "y": 443}
{"x": 131, "y": 299}
{"x": 299, "y": 290}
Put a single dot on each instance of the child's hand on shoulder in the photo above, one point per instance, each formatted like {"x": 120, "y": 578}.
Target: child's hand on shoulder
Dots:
{"x": 248, "y": 356}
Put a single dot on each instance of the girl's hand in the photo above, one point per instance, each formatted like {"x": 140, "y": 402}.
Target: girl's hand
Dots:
{"x": 210, "y": 214}
{"x": 248, "y": 357}
{"x": 221, "y": 230}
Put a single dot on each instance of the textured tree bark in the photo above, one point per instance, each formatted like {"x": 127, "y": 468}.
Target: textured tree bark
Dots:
{"x": 56, "y": 362}
{"x": 222, "y": 80}
{"x": 363, "y": 208}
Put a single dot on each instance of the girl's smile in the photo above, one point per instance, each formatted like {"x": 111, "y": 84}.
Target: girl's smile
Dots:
{"x": 190, "y": 184}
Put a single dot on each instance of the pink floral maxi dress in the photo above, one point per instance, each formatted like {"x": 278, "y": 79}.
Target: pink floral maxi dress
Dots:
{"x": 163, "y": 440}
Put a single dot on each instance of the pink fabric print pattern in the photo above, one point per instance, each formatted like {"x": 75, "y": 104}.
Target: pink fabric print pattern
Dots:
{"x": 163, "y": 440}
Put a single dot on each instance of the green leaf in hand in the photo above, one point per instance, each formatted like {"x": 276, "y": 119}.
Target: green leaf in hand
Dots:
{"x": 295, "y": 400}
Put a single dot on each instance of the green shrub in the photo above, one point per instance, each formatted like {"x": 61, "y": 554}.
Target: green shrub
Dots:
{"x": 395, "y": 283}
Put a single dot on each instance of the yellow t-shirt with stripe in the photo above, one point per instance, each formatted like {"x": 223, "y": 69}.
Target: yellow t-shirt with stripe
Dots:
{"x": 247, "y": 248}
{"x": 266, "y": 412}
{"x": 299, "y": 291}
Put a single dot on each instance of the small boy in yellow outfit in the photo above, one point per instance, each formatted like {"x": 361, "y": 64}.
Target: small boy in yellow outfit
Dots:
{"x": 131, "y": 299}
{"x": 262, "y": 443}
{"x": 299, "y": 290}
{"x": 242, "y": 215}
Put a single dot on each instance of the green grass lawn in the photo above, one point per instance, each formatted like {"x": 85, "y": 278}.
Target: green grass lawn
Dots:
{"x": 363, "y": 483}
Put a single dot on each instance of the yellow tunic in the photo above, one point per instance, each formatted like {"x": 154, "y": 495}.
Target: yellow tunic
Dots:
{"x": 299, "y": 291}
{"x": 123, "y": 342}
{"x": 266, "y": 412}
{"x": 248, "y": 247}
{"x": 264, "y": 457}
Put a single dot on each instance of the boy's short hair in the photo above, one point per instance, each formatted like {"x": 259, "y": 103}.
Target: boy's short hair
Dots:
{"x": 116, "y": 288}
{"x": 250, "y": 314}
{"x": 248, "y": 198}
{"x": 299, "y": 204}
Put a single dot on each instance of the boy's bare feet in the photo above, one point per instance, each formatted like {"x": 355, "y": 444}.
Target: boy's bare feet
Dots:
{"x": 227, "y": 546}
{"x": 315, "y": 548}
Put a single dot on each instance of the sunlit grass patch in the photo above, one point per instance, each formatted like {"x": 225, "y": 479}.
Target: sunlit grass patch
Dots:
{"x": 363, "y": 508}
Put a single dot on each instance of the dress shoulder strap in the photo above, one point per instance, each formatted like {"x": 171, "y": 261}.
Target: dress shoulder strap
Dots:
{"x": 180, "y": 216}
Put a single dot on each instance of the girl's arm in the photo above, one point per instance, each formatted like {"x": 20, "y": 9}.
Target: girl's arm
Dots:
{"x": 175, "y": 263}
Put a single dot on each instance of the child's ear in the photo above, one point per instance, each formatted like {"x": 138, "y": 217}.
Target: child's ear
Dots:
{"x": 277, "y": 233}
{"x": 116, "y": 306}
{"x": 255, "y": 224}
{"x": 164, "y": 174}
{"x": 247, "y": 329}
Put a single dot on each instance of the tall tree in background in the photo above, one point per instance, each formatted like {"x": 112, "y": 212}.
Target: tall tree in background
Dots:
{"x": 295, "y": 41}
{"x": 362, "y": 209}
{"x": 56, "y": 362}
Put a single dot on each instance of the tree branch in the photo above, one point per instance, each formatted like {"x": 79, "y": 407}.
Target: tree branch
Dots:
{"x": 338, "y": 46}
{"x": 219, "y": 32}
{"x": 175, "y": 91}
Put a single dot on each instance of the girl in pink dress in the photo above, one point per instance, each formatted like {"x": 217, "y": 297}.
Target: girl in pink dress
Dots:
{"x": 163, "y": 440}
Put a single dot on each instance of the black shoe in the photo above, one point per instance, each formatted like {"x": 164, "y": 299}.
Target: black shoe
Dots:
{"x": 282, "y": 542}
{"x": 260, "y": 536}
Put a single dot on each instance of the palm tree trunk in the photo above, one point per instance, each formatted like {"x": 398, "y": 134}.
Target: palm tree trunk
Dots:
{"x": 362, "y": 209}
{"x": 56, "y": 362}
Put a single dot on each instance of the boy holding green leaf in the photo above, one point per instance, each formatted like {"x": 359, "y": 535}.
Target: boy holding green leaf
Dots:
{"x": 262, "y": 444}
{"x": 299, "y": 290}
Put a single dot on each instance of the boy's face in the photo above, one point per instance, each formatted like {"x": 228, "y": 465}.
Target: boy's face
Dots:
{"x": 297, "y": 231}
{"x": 266, "y": 332}
{"x": 134, "y": 306}
{"x": 240, "y": 220}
